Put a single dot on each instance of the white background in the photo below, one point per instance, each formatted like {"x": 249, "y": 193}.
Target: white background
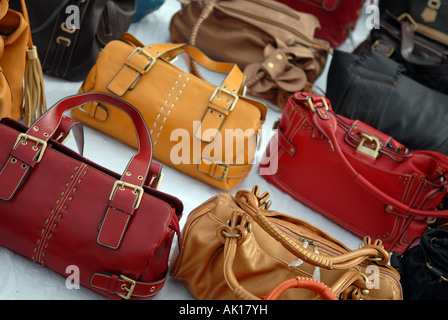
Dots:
{"x": 22, "y": 279}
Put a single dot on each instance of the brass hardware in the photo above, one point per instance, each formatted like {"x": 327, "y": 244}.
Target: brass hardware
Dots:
{"x": 137, "y": 190}
{"x": 376, "y": 43}
{"x": 366, "y": 150}
{"x": 26, "y": 137}
{"x": 231, "y": 235}
{"x": 140, "y": 51}
{"x": 224, "y": 173}
{"x": 124, "y": 287}
{"x": 217, "y": 94}
{"x": 65, "y": 29}
{"x": 59, "y": 39}
{"x": 410, "y": 19}
{"x": 434, "y": 4}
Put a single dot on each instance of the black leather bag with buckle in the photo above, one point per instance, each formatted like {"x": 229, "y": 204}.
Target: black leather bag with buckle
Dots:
{"x": 422, "y": 50}
{"x": 374, "y": 89}
{"x": 70, "y": 53}
{"x": 424, "y": 268}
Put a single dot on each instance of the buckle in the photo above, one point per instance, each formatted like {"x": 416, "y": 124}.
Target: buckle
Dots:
{"x": 378, "y": 42}
{"x": 219, "y": 90}
{"x": 434, "y": 4}
{"x": 150, "y": 58}
{"x": 38, "y": 141}
{"x": 124, "y": 287}
{"x": 137, "y": 190}
{"x": 224, "y": 173}
{"x": 409, "y": 18}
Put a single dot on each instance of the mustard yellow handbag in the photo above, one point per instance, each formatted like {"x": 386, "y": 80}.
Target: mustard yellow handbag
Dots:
{"x": 21, "y": 80}
{"x": 207, "y": 131}
{"x": 234, "y": 247}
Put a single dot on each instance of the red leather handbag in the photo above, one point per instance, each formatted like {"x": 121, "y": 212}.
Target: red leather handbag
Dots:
{"x": 59, "y": 209}
{"x": 336, "y": 17}
{"x": 355, "y": 175}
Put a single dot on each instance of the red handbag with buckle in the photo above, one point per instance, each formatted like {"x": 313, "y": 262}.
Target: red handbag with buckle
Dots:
{"x": 59, "y": 209}
{"x": 355, "y": 175}
{"x": 336, "y": 17}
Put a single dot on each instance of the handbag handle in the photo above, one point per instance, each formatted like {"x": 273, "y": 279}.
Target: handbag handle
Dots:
{"x": 347, "y": 279}
{"x": 302, "y": 282}
{"x": 44, "y": 127}
{"x": 328, "y": 126}
{"x": 249, "y": 203}
{"x": 235, "y": 78}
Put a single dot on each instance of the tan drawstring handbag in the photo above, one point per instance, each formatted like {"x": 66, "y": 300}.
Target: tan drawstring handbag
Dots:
{"x": 235, "y": 247}
{"x": 22, "y": 91}
{"x": 272, "y": 43}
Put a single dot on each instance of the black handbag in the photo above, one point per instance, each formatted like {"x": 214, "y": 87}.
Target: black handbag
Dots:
{"x": 424, "y": 268}
{"x": 70, "y": 53}
{"x": 422, "y": 50}
{"x": 373, "y": 89}
{"x": 433, "y": 13}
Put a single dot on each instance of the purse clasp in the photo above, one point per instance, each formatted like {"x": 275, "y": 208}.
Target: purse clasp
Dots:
{"x": 366, "y": 150}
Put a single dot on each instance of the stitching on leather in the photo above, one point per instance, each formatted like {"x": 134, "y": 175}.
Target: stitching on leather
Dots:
{"x": 168, "y": 105}
{"x": 55, "y": 214}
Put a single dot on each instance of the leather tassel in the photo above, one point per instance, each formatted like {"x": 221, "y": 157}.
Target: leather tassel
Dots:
{"x": 35, "y": 103}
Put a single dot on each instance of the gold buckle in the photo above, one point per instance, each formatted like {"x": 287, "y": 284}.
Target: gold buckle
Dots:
{"x": 233, "y": 95}
{"x": 37, "y": 140}
{"x": 376, "y": 43}
{"x": 151, "y": 59}
{"x": 137, "y": 190}
{"x": 124, "y": 287}
{"x": 366, "y": 150}
{"x": 224, "y": 173}
{"x": 434, "y": 4}
{"x": 410, "y": 19}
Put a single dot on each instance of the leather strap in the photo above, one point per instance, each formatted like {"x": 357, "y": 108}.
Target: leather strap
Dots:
{"x": 328, "y": 128}
{"x": 30, "y": 148}
{"x": 125, "y": 287}
{"x": 222, "y": 101}
{"x": 222, "y": 171}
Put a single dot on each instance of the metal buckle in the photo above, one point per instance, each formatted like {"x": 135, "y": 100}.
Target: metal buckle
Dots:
{"x": 124, "y": 287}
{"x": 409, "y": 18}
{"x": 366, "y": 150}
{"x": 376, "y": 43}
{"x": 224, "y": 173}
{"x": 151, "y": 59}
{"x": 434, "y": 4}
{"x": 37, "y": 140}
{"x": 233, "y": 95}
{"x": 137, "y": 190}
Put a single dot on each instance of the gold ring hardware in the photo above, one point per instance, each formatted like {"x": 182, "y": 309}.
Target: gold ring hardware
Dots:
{"x": 26, "y": 137}
{"x": 65, "y": 29}
{"x": 124, "y": 287}
{"x": 151, "y": 59}
{"x": 137, "y": 190}
{"x": 409, "y": 18}
{"x": 59, "y": 39}
{"x": 366, "y": 150}
{"x": 217, "y": 94}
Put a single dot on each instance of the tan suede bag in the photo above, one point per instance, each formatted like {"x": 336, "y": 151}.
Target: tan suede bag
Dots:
{"x": 236, "y": 248}
{"x": 272, "y": 43}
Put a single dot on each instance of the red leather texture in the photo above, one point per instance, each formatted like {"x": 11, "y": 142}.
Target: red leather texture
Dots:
{"x": 60, "y": 209}
{"x": 336, "y": 17}
{"x": 324, "y": 162}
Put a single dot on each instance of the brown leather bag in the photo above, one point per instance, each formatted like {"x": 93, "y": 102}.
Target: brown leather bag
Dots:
{"x": 235, "y": 247}
{"x": 272, "y": 43}
{"x": 191, "y": 121}
{"x": 21, "y": 79}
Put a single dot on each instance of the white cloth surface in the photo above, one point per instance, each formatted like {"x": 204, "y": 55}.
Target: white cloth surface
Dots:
{"x": 23, "y": 279}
